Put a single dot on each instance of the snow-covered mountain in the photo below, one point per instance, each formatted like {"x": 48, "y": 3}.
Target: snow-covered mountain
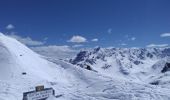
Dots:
{"x": 132, "y": 64}
{"x": 21, "y": 70}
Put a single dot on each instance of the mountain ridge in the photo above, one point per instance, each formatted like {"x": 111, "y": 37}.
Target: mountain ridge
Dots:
{"x": 136, "y": 63}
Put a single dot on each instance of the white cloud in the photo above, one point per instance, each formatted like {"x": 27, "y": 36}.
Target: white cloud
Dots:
{"x": 130, "y": 38}
{"x": 133, "y": 38}
{"x": 56, "y": 52}
{"x": 156, "y": 45}
{"x": 95, "y": 40}
{"x": 110, "y": 47}
{"x": 26, "y": 40}
{"x": 109, "y": 30}
{"x": 77, "y": 45}
{"x": 10, "y": 26}
{"x": 78, "y": 39}
{"x": 123, "y": 44}
{"x": 53, "y": 48}
{"x": 165, "y": 35}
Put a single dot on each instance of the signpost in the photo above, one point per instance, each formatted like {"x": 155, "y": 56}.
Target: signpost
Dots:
{"x": 40, "y": 93}
{"x": 39, "y": 88}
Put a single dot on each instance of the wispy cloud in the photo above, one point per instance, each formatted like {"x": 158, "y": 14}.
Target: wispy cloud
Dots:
{"x": 95, "y": 40}
{"x": 53, "y": 48}
{"x": 77, "y": 39}
{"x": 123, "y": 44}
{"x": 133, "y": 38}
{"x": 156, "y": 45}
{"x": 26, "y": 40}
{"x": 130, "y": 38}
{"x": 77, "y": 46}
{"x": 109, "y": 30}
{"x": 10, "y": 26}
{"x": 56, "y": 52}
{"x": 165, "y": 35}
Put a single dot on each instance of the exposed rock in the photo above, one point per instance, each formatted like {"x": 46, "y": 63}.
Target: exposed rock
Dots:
{"x": 166, "y": 68}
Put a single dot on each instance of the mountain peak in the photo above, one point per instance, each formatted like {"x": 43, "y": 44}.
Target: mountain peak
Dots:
{"x": 124, "y": 61}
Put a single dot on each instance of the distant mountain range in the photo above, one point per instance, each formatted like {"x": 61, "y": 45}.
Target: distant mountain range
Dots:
{"x": 146, "y": 65}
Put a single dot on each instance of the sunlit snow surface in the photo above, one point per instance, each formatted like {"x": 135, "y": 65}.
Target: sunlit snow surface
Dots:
{"x": 72, "y": 82}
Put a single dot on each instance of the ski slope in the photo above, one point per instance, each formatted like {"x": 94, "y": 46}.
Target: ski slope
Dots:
{"x": 69, "y": 81}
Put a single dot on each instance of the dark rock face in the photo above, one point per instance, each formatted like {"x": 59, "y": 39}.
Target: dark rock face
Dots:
{"x": 80, "y": 57}
{"x": 24, "y": 73}
{"x": 166, "y": 68}
{"x": 166, "y": 52}
{"x": 106, "y": 66}
{"x": 142, "y": 54}
{"x": 155, "y": 83}
{"x": 149, "y": 55}
{"x": 88, "y": 67}
{"x": 96, "y": 50}
{"x": 90, "y": 61}
{"x": 137, "y": 62}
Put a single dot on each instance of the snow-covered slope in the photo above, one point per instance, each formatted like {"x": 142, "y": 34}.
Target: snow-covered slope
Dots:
{"x": 133, "y": 64}
{"x": 22, "y": 70}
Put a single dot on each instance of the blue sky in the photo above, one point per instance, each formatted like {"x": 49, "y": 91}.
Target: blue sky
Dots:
{"x": 117, "y": 23}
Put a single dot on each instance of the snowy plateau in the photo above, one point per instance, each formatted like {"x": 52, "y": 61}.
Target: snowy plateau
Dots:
{"x": 93, "y": 74}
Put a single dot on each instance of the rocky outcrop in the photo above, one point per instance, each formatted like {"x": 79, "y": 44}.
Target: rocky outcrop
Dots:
{"x": 166, "y": 68}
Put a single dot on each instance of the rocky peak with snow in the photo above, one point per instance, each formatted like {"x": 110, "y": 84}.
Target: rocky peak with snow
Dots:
{"x": 133, "y": 55}
{"x": 129, "y": 62}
